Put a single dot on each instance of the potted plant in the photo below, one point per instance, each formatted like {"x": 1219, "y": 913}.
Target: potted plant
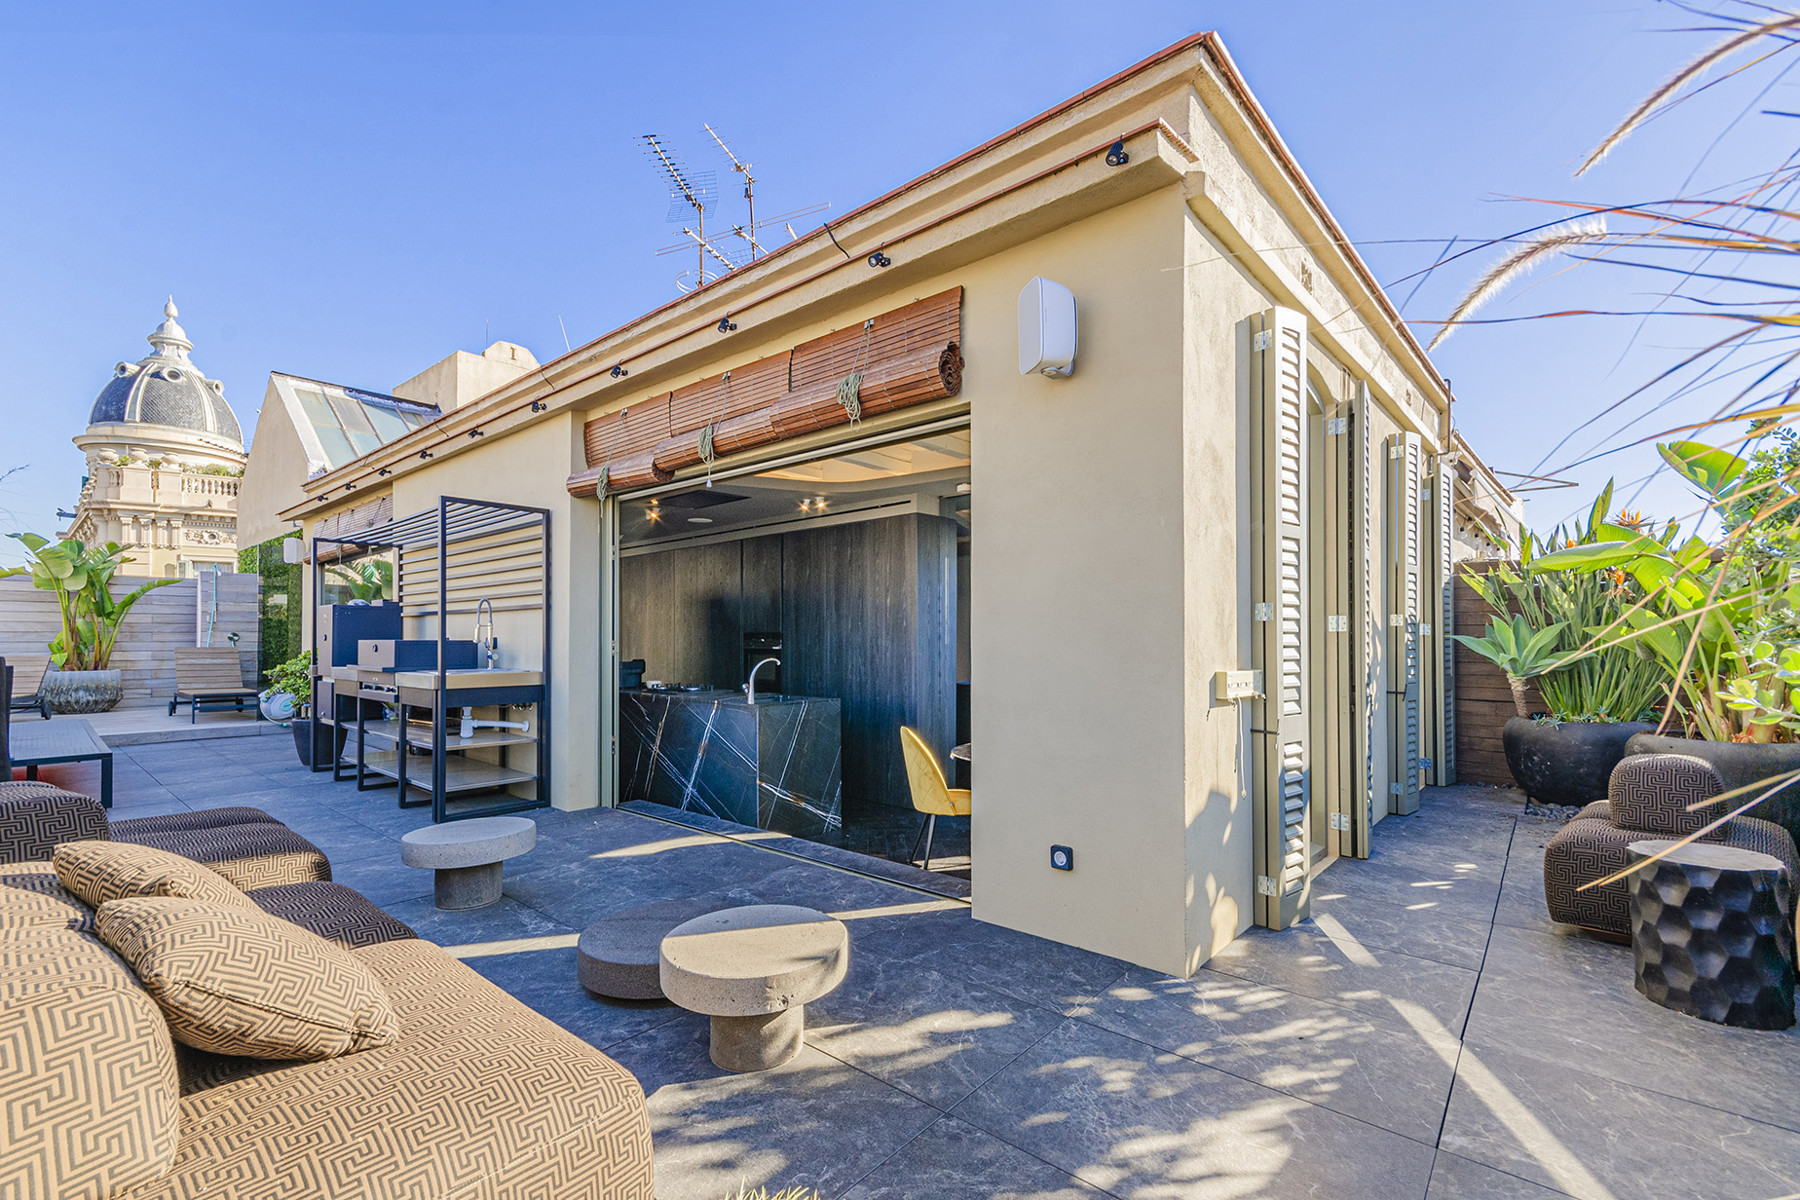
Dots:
{"x": 317, "y": 743}
{"x": 1721, "y": 621}
{"x": 1595, "y": 694}
{"x": 81, "y": 578}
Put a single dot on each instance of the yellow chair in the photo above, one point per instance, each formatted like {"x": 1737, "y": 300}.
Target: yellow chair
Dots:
{"x": 930, "y": 794}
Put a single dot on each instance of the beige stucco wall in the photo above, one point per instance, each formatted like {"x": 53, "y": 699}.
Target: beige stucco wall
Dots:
{"x": 273, "y": 476}
{"x": 454, "y": 381}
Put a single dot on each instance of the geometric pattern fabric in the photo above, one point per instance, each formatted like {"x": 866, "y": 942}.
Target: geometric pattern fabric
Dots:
{"x": 250, "y": 856}
{"x": 331, "y": 910}
{"x": 96, "y": 872}
{"x": 232, "y": 979}
{"x": 35, "y": 817}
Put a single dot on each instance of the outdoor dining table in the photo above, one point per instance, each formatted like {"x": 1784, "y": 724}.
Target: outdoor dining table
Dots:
{"x": 34, "y": 744}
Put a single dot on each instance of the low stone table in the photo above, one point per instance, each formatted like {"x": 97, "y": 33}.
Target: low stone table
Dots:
{"x": 621, "y": 955}
{"x": 1712, "y": 933}
{"x": 467, "y": 856}
{"x": 753, "y": 970}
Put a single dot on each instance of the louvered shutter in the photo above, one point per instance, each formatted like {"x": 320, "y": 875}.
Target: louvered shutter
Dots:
{"x": 1443, "y": 579}
{"x": 1283, "y": 781}
{"x": 1406, "y": 544}
{"x": 1365, "y": 617}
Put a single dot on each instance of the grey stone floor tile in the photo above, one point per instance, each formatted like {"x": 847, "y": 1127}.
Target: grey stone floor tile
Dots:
{"x": 814, "y": 1123}
{"x": 1142, "y": 1123}
{"x": 1414, "y": 886}
{"x": 546, "y": 980}
{"x": 150, "y": 802}
{"x": 813, "y": 886}
{"x": 1329, "y": 1054}
{"x": 1606, "y": 1028}
{"x": 1456, "y": 1178}
{"x": 503, "y": 921}
{"x": 1595, "y": 1137}
{"x": 1382, "y": 925}
{"x": 385, "y": 880}
{"x": 952, "y": 1160}
{"x": 1310, "y": 963}
{"x": 935, "y": 1037}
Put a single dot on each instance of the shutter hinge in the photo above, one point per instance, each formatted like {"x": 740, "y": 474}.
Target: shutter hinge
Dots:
{"x": 1337, "y": 624}
{"x": 1340, "y": 820}
{"x": 1261, "y": 342}
{"x": 1336, "y": 425}
{"x": 1396, "y": 620}
{"x": 1395, "y": 789}
{"x": 1425, "y": 764}
{"x": 1265, "y": 611}
{"x": 1394, "y": 450}
{"x": 1266, "y": 886}
{"x": 1424, "y": 629}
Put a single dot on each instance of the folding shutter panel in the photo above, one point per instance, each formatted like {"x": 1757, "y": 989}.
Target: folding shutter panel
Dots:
{"x": 1443, "y": 577}
{"x": 1405, "y": 543}
{"x": 1283, "y": 770}
{"x": 1365, "y": 619}
{"x": 1336, "y": 703}
{"x": 1430, "y": 677}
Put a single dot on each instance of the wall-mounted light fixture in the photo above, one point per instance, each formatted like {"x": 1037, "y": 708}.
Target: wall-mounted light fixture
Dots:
{"x": 539, "y": 406}
{"x": 475, "y": 433}
{"x": 384, "y": 471}
{"x": 620, "y": 371}
{"x": 424, "y": 454}
{"x": 1116, "y": 156}
{"x": 878, "y": 259}
{"x": 1046, "y": 329}
{"x": 349, "y": 487}
{"x": 726, "y": 324}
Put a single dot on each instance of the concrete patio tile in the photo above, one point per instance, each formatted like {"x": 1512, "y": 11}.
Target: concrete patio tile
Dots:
{"x": 1595, "y": 1137}
{"x": 952, "y": 1160}
{"x": 148, "y": 802}
{"x": 546, "y": 980}
{"x": 935, "y": 1037}
{"x": 815, "y": 1122}
{"x": 1460, "y": 889}
{"x": 383, "y": 878}
{"x": 1456, "y": 1178}
{"x": 1138, "y": 1122}
{"x": 505, "y": 920}
{"x": 1383, "y": 925}
{"x": 1328, "y": 1054}
{"x": 1606, "y": 1028}
{"x": 823, "y": 888}
{"x": 1313, "y": 964}
{"x": 952, "y": 943}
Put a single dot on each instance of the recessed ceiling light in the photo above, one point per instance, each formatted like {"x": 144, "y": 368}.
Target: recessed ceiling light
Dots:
{"x": 963, "y": 488}
{"x": 699, "y": 520}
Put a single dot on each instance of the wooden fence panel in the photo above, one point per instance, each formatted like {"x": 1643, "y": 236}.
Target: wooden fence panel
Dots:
{"x": 1483, "y": 700}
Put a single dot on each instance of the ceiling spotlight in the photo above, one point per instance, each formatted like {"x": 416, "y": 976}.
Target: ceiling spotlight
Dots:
{"x": 878, "y": 259}
{"x": 539, "y": 406}
{"x": 349, "y": 487}
{"x": 619, "y": 371}
{"x": 726, "y": 324}
{"x": 963, "y": 489}
{"x": 384, "y": 471}
{"x": 1116, "y": 156}
{"x": 475, "y": 433}
{"x": 424, "y": 454}
{"x": 699, "y": 520}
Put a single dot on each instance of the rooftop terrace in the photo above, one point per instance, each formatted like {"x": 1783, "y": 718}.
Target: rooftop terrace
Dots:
{"x": 1429, "y": 1033}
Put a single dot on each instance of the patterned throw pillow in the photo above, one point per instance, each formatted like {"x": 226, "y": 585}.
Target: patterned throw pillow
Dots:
{"x": 32, "y": 897}
{"x": 234, "y": 980}
{"x": 100, "y": 871}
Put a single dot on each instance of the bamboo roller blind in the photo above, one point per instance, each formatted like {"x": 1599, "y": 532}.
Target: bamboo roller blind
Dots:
{"x": 912, "y": 355}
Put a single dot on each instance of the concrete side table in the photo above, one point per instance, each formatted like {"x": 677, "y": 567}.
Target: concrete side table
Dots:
{"x": 467, "y": 856}
{"x": 1712, "y": 933}
{"x": 753, "y": 970}
{"x": 621, "y": 955}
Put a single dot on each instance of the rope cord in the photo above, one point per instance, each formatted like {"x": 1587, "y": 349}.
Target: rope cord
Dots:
{"x": 849, "y": 389}
{"x": 707, "y": 453}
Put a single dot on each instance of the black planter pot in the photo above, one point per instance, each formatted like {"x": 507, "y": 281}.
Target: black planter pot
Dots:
{"x": 317, "y": 745}
{"x": 1566, "y": 762}
{"x": 1739, "y": 764}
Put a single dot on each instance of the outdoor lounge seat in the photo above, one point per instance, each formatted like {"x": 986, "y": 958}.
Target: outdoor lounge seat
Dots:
{"x": 27, "y": 691}
{"x": 212, "y": 677}
{"x": 1648, "y": 797}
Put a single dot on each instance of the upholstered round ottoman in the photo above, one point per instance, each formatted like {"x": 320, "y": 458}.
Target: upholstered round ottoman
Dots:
{"x": 467, "y": 856}
{"x": 621, "y": 955}
{"x": 753, "y": 970}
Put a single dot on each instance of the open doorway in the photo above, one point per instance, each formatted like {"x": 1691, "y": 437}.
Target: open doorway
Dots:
{"x": 839, "y": 588}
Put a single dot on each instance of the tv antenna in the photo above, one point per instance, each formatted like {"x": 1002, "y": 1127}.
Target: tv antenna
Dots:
{"x": 693, "y": 193}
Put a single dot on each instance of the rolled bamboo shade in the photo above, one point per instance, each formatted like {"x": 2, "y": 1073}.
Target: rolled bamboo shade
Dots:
{"x": 907, "y": 356}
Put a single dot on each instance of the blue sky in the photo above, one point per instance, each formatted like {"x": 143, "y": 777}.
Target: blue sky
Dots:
{"x": 351, "y": 192}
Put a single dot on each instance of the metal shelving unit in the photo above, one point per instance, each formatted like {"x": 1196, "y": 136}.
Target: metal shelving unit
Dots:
{"x": 446, "y": 561}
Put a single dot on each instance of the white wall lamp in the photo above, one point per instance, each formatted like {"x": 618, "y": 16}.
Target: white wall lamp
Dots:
{"x": 1046, "y": 329}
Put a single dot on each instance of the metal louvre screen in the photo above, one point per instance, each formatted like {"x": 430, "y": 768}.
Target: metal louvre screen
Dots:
{"x": 1284, "y": 771}
{"x": 1406, "y": 546}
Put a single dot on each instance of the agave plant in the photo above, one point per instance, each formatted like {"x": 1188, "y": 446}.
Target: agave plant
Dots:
{"x": 1519, "y": 650}
{"x": 81, "y": 578}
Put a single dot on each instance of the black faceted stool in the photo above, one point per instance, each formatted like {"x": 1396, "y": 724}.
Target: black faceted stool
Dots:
{"x": 1712, "y": 933}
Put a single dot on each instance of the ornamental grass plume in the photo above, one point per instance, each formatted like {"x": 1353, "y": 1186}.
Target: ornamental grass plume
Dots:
{"x": 1495, "y": 279}
{"x": 792, "y": 1193}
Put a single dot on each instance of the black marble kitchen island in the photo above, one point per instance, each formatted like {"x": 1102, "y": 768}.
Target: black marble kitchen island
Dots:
{"x": 775, "y": 765}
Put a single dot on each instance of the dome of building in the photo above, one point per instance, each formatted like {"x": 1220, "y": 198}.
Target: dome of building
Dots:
{"x": 167, "y": 389}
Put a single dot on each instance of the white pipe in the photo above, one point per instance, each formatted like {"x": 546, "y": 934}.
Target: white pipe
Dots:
{"x": 470, "y": 725}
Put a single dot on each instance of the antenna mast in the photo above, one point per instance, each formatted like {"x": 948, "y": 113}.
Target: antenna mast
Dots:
{"x": 742, "y": 168}
{"x": 688, "y": 190}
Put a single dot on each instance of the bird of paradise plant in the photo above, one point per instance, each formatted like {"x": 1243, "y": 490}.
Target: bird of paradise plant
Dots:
{"x": 81, "y": 578}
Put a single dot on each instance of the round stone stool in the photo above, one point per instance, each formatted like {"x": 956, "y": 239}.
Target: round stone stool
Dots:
{"x": 621, "y": 955}
{"x": 467, "y": 856}
{"x": 753, "y": 970}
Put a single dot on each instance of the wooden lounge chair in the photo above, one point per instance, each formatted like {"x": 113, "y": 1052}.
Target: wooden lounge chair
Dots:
{"x": 28, "y": 686}
{"x": 210, "y": 677}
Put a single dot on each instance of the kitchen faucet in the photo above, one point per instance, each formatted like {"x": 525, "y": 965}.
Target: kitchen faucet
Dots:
{"x": 751, "y": 686}
{"x": 490, "y": 643}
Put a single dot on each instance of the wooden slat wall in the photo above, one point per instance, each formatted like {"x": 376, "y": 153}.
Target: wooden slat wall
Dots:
{"x": 1483, "y": 700}
{"x": 908, "y": 356}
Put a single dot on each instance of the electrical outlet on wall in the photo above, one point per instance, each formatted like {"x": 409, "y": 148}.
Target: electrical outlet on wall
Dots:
{"x": 1062, "y": 858}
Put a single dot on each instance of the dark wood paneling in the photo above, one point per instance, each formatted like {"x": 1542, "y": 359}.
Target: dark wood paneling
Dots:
{"x": 866, "y": 611}
{"x": 1484, "y": 701}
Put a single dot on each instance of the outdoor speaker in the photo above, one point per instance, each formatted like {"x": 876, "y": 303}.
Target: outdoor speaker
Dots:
{"x": 1046, "y": 329}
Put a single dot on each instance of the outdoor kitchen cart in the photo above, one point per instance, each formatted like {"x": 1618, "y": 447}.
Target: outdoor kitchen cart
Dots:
{"x": 440, "y": 720}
